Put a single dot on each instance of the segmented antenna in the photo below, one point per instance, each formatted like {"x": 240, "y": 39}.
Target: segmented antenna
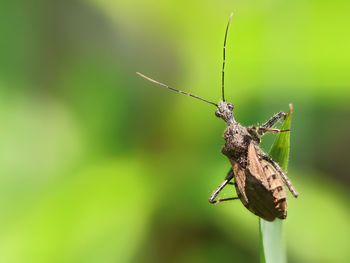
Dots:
{"x": 179, "y": 91}
{"x": 223, "y": 63}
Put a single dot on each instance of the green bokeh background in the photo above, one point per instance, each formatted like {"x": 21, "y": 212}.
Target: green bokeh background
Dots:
{"x": 99, "y": 165}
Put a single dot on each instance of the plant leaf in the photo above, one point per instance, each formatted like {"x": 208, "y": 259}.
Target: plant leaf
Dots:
{"x": 272, "y": 247}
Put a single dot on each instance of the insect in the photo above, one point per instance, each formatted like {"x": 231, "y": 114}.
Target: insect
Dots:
{"x": 258, "y": 179}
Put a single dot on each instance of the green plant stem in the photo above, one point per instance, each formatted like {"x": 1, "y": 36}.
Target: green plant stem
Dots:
{"x": 272, "y": 247}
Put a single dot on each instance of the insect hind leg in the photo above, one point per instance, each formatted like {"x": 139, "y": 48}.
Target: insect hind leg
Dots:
{"x": 222, "y": 186}
{"x": 283, "y": 175}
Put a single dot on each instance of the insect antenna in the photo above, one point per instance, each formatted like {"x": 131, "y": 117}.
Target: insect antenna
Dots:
{"x": 179, "y": 91}
{"x": 223, "y": 63}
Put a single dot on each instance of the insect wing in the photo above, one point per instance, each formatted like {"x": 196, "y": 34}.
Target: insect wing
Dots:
{"x": 264, "y": 188}
{"x": 277, "y": 189}
{"x": 240, "y": 179}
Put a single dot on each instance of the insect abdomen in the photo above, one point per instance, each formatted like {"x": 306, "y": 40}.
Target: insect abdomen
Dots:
{"x": 266, "y": 199}
{"x": 259, "y": 187}
{"x": 277, "y": 189}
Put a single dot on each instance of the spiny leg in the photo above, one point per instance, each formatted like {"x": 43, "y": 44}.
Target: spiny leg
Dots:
{"x": 257, "y": 132}
{"x": 283, "y": 175}
{"x": 218, "y": 190}
{"x": 263, "y": 130}
{"x": 275, "y": 119}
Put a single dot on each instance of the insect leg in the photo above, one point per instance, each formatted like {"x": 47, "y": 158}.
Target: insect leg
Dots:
{"x": 260, "y": 131}
{"x": 218, "y": 190}
{"x": 275, "y": 119}
{"x": 257, "y": 132}
{"x": 264, "y": 130}
{"x": 283, "y": 175}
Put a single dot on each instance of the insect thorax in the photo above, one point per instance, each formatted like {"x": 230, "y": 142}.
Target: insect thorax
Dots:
{"x": 237, "y": 140}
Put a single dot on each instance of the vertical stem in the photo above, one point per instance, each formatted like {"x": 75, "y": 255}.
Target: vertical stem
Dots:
{"x": 272, "y": 245}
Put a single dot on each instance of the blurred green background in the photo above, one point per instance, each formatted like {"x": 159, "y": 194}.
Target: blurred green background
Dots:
{"x": 99, "y": 165}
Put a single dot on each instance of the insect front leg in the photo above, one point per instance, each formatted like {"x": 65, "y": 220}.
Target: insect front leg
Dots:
{"x": 275, "y": 119}
{"x": 262, "y": 130}
{"x": 282, "y": 173}
{"x": 218, "y": 190}
{"x": 257, "y": 132}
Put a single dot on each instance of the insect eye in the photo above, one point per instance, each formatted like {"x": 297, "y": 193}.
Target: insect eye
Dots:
{"x": 217, "y": 113}
{"x": 230, "y": 106}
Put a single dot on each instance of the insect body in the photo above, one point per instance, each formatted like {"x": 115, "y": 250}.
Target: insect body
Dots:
{"x": 258, "y": 179}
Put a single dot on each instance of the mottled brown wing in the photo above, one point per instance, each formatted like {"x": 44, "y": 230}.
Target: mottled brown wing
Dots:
{"x": 263, "y": 188}
{"x": 240, "y": 179}
{"x": 276, "y": 186}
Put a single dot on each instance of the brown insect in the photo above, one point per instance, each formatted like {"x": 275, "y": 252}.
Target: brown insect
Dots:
{"x": 258, "y": 179}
